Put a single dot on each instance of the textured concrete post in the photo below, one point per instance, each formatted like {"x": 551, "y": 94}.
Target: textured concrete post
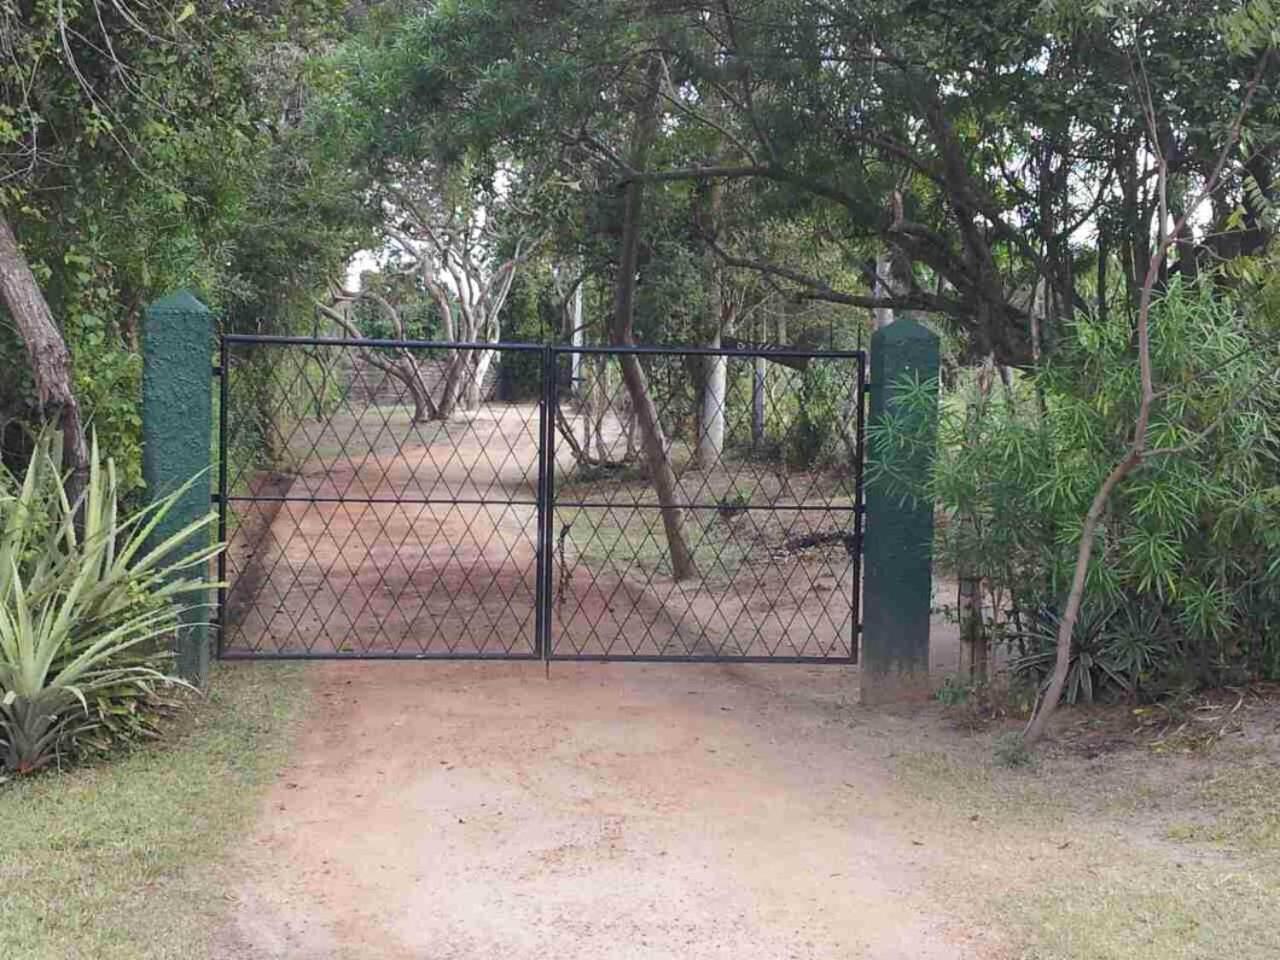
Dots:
{"x": 898, "y": 548}
{"x": 177, "y": 422}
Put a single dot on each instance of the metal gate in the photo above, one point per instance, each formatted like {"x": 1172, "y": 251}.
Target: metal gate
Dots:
{"x": 367, "y": 516}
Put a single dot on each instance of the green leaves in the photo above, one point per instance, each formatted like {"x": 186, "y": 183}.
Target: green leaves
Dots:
{"x": 85, "y": 614}
{"x": 1252, "y": 27}
{"x": 1192, "y": 534}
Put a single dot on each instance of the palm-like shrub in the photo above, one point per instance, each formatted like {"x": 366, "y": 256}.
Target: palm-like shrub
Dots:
{"x": 88, "y": 605}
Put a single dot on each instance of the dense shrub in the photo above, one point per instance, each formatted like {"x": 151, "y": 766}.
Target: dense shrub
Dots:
{"x": 1189, "y": 547}
{"x": 813, "y": 436}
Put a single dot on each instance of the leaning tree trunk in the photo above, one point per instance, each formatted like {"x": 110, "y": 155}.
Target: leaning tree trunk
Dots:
{"x": 47, "y": 351}
{"x": 664, "y": 478}
{"x": 422, "y": 406}
{"x": 646, "y": 415}
{"x": 629, "y": 423}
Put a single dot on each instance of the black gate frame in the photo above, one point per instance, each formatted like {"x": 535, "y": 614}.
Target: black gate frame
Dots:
{"x": 546, "y": 501}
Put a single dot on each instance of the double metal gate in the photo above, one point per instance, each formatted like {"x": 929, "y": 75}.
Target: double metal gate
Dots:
{"x": 418, "y": 500}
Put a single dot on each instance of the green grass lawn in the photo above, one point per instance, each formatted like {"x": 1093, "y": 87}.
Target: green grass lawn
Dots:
{"x": 125, "y": 859}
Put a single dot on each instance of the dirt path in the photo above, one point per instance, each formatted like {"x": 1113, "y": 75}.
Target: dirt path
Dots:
{"x": 612, "y": 811}
{"x": 483, "y": 810}
{"x": 339, "y": 575}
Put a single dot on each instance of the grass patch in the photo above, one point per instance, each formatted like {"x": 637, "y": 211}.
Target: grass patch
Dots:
{"x": 624, "y": 539}
{"x": 980, "y": 787}
{"x": 1240, "y": 810}
{"x": 123, "y": 860}
{"x": 1073, "y": 860}
{"x": 1124, "y": 907}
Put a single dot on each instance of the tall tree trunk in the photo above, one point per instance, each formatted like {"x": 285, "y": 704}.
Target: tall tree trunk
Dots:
{"x": 47, "y": 352}
{"x": 646, "y": 415}
{"x": 576, "y": 334}
{"x": 1104, "y": 253}
{"x": 973, "y": 634}
{"x": 587, "y": 401}
{"x": 600, "y": 392}
{"x": 715, "y": 369}
{"x": 711, "y": 421}
{"x": 883, "y": 316}
{"x": 973, "y": 640}
{"x": 757, "y": 401}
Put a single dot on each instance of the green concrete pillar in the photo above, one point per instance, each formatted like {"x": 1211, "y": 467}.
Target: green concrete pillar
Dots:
{"x": 898, "y": 545}
{"x": 177, "y": 422}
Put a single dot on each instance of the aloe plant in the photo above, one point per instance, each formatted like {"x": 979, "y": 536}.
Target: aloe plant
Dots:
{"x": 86, "y": 604}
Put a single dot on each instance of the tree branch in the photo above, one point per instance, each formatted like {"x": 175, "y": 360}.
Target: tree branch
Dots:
{"x": 816, "y": 289}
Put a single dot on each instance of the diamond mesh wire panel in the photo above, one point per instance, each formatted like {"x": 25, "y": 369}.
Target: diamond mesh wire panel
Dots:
{"x": 378, "y": 501}
{"x": 758, "y": 459}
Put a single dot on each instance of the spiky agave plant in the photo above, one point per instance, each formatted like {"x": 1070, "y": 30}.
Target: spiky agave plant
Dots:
{"x": 86, "y": 605}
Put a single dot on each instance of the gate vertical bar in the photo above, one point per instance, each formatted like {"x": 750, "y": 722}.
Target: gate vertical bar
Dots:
{"x": 223, "y": 493}
{"x": 540, "y": 568}
{"x": 548, "y": 504}
{"x": 858, "y": 507}
{"x": 547, "y": 510}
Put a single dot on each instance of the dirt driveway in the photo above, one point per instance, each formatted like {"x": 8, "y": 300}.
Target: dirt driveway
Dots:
{"x": 482, "y": 810}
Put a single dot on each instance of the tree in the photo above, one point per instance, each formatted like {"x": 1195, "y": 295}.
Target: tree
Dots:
{"x": 46, "y": 352}
{"x": 398, "y": 362}
{"x": 644, "y": 132}
{"x": 455, "y": 249}
{"x": 1139, "y": 450}
{"x": 127, "y": 171}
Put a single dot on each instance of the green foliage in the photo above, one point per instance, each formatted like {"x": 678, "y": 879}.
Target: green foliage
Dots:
{"x": 1112, "y": 651}
{"x": 84, "y": 612}
{"x": 1011, "y": 751}
{"x": 814, "y": 435}
{"x": 1188, "y": 543}
{"x": 733, "y": 502}
{"x": 953, "y": 693}
{"x": 532, "y": 314}
{"x": 1089, "y": 667}
{"x": 176, "y": 154}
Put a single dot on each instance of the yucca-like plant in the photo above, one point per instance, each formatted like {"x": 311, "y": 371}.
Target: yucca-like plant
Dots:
{"x": 87, "y": 605}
